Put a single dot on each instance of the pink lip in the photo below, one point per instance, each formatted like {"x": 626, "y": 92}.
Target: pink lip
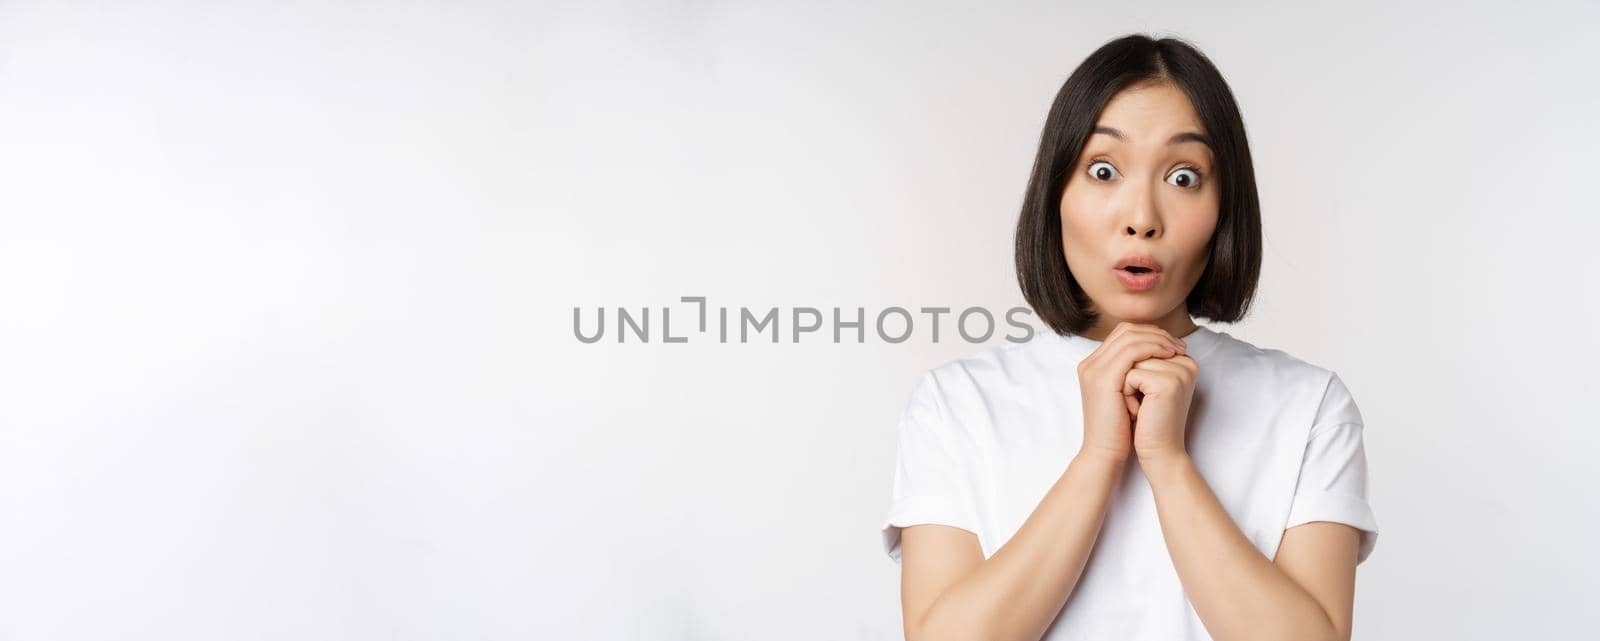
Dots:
{"x": 1138, "y": 282}
{"x": 1138, "y": 260}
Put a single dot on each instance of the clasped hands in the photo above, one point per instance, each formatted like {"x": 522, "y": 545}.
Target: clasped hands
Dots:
{"x": 1137, "y": 386}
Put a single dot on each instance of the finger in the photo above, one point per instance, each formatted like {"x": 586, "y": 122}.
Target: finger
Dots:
{"x": 1134, "y": 384}
{"x": 1148, "y": 328}
{"x": 1131, "y": 397}
{"x": 1131, "y": 352}
{"x": 1168, "y": 365}
{"x": 1134, "y": 381}
{"x": 1126, "y": 331}
{"x": 1158, "y": 377}
{"x": 1149, "y": 333}
{"x": 1180, "y": 366}
{"x": 1187, "y": 362}
{"x": 1109, "y": 343}
{"x": 1111, "y": 371}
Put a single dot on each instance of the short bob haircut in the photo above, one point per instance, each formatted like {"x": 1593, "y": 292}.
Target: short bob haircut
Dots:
{"x": 1228, "y": 283}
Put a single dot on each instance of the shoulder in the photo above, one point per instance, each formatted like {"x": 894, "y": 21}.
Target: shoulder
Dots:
{"x": 995, "y": 375}
{"x": 1235, "y": 356}
{"x": 1287, "y": 374}
{"x": 1002, "y": 364}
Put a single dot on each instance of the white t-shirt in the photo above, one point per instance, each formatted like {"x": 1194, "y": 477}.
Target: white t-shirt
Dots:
{"x": 983, "y": 438}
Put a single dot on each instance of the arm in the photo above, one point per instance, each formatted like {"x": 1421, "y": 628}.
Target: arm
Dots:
{"x": 950, "y": 591}
{"x": 1306, "y": 593}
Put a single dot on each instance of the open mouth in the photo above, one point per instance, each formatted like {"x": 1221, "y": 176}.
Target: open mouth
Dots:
{"x": 1139, "y": 274}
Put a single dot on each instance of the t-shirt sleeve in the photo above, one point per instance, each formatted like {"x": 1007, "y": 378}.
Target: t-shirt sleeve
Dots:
{"x": 932, "y": 480}
{"x": 1333, "y": 472}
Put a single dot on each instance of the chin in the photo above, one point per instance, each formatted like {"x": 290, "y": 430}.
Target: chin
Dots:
{"x": 1136, "y": 307}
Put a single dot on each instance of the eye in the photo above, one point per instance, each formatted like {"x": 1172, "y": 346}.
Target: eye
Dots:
{"x": 1185, "y": 177}
{"x": 1102, "y": 170}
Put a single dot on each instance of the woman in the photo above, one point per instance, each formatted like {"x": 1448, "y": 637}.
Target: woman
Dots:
{"x": 1195, "y": 486}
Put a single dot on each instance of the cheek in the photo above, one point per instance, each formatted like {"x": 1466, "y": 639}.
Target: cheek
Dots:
{"x": 1077, "y": 207}
{"x": 1076, "y": 231}
{"x": 1193, "y": 233}
{"x": 1076, "y": 235}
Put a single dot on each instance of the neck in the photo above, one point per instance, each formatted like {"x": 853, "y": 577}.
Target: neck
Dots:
{"x": 1177, "y": 323}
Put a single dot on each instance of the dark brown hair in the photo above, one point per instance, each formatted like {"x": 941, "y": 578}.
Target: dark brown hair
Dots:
{"x": 1228, "y": 283}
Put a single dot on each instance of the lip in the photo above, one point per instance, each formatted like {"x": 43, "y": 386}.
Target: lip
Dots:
{"x": 1138, "y": 260}
{"x": 1138, "y": 282}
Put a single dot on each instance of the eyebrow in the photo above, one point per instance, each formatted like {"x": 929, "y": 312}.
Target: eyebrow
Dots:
{"x": 1187, "y": 136}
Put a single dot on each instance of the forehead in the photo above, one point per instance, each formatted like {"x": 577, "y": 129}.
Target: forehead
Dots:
{"x": 1149, "y": 114}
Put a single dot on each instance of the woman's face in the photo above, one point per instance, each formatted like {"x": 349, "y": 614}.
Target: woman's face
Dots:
{"x": 1143, "y": 187}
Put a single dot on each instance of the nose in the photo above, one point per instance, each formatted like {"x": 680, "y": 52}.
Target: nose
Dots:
{"x": 1149, "y": 230}
{"x": 1140, "y": 216}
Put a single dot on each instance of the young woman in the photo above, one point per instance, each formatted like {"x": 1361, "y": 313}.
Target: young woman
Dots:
{"x": 1133, "y": 475}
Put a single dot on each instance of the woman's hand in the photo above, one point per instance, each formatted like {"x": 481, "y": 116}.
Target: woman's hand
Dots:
{"x": 1163, "y": 388}
{"x": 1109, "y": 406}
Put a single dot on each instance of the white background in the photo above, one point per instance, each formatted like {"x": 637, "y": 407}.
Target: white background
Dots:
{"x": 286, "y": 295}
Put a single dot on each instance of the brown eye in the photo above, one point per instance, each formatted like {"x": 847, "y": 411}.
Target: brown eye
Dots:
{"x": 1102, "y": 170}
{"x": 1184, "y": 177}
